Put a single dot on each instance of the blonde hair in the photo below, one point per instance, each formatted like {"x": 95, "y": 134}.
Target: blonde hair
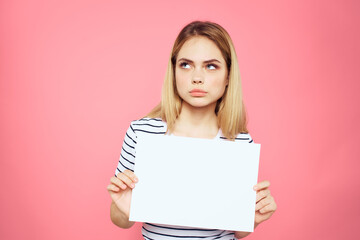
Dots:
{"x": 230, "y": 109}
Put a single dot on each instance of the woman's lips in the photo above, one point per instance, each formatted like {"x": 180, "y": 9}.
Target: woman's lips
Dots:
{"x": 197, "y": 93}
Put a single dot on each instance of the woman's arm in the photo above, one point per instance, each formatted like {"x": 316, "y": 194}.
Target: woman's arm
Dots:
{"x": 120, "y": 189}
{"x": 121, "y": 185}
{"x": 239, "y": 234}
{"x": 264, "y": 208}
{"x": 119, "y": 218}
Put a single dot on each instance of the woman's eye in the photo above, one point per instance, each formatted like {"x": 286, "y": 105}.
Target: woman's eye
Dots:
{"x": 184, "y": 65}
{"x": 211, "y": 66}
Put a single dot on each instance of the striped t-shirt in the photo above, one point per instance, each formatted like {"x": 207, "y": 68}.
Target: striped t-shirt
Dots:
{"x": 152, "y": 231}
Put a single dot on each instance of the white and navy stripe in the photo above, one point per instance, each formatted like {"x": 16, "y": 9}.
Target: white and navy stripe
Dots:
{"x": 152, "y": 231}
{"x": 159, "y": 231}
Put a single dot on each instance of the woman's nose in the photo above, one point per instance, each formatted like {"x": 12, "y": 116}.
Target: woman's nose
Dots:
{"x": 197, "y": 81}
{"x": 197, "y": 77}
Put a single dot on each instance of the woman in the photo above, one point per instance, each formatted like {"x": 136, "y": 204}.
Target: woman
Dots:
{"x": 201, "y": 98}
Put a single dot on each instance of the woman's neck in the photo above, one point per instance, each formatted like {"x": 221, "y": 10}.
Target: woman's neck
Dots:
{"x": 196, "y": 122}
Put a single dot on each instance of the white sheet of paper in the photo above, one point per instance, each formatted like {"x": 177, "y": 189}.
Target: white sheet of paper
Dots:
{"x": 194, "y": 182}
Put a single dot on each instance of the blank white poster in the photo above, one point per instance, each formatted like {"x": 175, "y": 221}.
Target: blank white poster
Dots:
{"x": 194, "y": 182}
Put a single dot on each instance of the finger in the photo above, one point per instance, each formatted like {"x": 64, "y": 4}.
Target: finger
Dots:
{"x": 262, "y": 194}
{"x": 262, "y": 185}
{"x": 268, "y": 208}
{"x": 262, "y": 203}
{"x": 112, "y": 187}
{"x": 128, "y": 181}
{"x": 131, "y": 175}
{"x": 118, "y": 182}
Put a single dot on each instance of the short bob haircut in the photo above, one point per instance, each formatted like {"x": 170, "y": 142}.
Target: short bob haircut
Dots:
{"x": 230, "y": 109}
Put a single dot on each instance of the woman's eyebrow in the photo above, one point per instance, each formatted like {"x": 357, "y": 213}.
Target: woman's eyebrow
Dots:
{"x": 207, "y": 61}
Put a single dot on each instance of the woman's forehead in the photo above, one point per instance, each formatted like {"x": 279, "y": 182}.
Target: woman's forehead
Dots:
{"x": 200, "y": 49}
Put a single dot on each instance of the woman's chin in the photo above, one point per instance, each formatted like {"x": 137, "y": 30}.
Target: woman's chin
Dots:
{"x": 200, "y": 104}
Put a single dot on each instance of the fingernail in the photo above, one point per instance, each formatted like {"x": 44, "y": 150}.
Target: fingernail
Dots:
{"x": 135, "y": 179}
{"x": 255, "y": 188}
{"x": 132, "y": 185}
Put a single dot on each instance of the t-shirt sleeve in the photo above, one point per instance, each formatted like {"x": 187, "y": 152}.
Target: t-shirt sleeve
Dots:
{"x": 127, "y": 155}
{"x": 250, "y": 139}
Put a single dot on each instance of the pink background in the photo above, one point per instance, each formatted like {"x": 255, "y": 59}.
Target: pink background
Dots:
{"x": 73, "y": 74}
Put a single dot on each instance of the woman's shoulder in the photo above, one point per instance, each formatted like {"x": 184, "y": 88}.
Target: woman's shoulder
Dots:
{"x": 241, "y": 137}
{"x": 149, "y": 125}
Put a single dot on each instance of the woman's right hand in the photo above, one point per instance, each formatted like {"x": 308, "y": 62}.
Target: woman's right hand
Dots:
{"x": 120, "y": 189}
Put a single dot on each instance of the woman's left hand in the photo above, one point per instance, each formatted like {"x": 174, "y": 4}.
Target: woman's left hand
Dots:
{"x": 264, "y": 208}
{"x": 265, "y": 203}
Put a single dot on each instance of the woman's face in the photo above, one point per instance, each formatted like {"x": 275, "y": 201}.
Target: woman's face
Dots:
{"x": 201, "y": 73}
